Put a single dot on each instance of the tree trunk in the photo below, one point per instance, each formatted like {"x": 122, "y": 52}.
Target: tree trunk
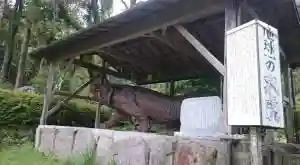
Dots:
{"x": 10, "y": 41}
{"x": 23, "y": 57}
{"x": 95, "y": 11}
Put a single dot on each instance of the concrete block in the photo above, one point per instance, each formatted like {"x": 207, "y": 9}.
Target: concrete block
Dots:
{"x": 84, "y": 141}
{"x": 123, "y": 135}
{"x": 64, "y": 142}
{"x": 104, "y": 140}
{"x": 37, "y": 139}
{"x": 46, "y": 138}
{"x": 162, "y": 150}
{"x": 132, "y": 151}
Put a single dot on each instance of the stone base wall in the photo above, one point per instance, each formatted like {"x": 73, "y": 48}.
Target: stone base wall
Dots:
{"x": 129, "y": 148}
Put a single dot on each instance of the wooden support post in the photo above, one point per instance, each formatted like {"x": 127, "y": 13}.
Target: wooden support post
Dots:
{"x": 287, "y": 99}
{"x": 292, "y": 88}
{"x": 98, "y": 115}
{"x": 100, "y": 106}
{"x": 47, "y": 95}
{"x": 293, "y": 103}
{"x": 291, "y": 107}
{"x": 230, "y": 23}
{"x": 231, "y": 11}
{"x": 256, "y": 146}
{"x": 172, "y": 88}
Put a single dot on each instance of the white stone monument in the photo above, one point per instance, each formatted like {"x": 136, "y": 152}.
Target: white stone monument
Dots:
{"x": 253, "y": 76}
{"x": 202, "y": 117}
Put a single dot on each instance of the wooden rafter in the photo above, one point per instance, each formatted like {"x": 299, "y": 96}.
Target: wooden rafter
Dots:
{"x": 100, "y": 69}
{"x": 204, "y": 52}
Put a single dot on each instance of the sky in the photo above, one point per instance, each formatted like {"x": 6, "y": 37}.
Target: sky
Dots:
{"x": 119, "y": 7}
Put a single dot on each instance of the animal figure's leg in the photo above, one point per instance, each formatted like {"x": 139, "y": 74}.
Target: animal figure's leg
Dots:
{"x": 143, "y": 122}
{"x": 136, "y": 123}
{"x": 132, "y": 107}
{"x": 114, "y": 119}
{"x": 140, "y": 117}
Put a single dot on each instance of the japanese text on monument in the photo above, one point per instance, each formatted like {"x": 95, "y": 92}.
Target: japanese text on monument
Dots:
{"x": 271, "y": 83}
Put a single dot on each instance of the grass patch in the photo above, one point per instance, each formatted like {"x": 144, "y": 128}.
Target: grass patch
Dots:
{"x": 26, "y": 155}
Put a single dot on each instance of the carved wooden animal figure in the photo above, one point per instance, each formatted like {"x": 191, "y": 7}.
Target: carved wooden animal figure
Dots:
{"x": 141, "y": 103}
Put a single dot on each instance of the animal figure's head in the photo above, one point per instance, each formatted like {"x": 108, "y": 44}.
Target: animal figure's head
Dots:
{"x": 100, "y": 88}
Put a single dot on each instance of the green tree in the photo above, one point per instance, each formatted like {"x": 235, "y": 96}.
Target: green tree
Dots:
{"x": 14, "y": 21}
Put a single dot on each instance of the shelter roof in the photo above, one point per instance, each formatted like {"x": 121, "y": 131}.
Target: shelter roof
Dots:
{"x": 142, "y": 45}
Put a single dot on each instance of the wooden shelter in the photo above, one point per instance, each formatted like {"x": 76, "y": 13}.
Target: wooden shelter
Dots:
{"x": 164, "y": 40}
{"x": 143, "y": 45}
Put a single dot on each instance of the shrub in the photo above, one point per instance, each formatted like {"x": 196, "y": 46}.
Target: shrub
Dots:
{"x": 19, "y": 110}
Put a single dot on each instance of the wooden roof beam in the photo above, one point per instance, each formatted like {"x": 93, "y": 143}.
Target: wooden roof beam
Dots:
{"x": 201, "y": 49}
